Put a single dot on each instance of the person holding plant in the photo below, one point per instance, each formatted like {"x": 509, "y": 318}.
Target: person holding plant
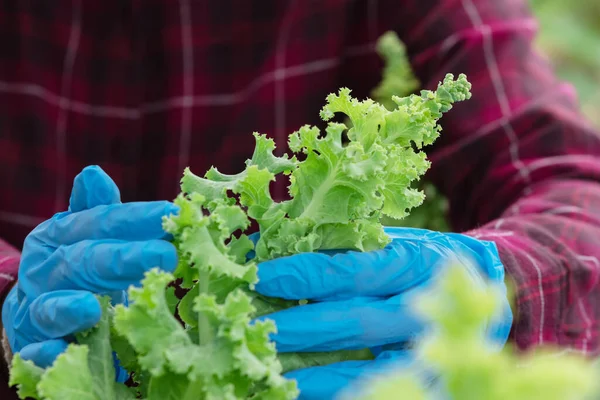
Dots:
{"x": 145, "y": 90}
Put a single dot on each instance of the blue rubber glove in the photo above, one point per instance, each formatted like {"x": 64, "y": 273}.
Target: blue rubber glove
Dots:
{"x": 99, "y": 246}
{"x": 364, "y": 300}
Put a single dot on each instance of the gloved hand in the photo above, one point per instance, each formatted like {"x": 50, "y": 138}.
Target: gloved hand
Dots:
{"x": 364, "y": 300}
{"x": 99, "y": 246}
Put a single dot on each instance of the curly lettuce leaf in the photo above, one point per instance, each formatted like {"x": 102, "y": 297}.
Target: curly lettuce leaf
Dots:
{"x": 347, "y": 186}
{"x": 399, "y": 80}
{"x": 148, "y": 324}
{"x": 84, "y": 371}
{"x": 59, "y": 381}
{"x": 26, "y": 376}
{"x": 100, "y": 360}
{"x": 260, "y": 171}
{"x": 431, "y": 215}
{"x": 229, "y": 356}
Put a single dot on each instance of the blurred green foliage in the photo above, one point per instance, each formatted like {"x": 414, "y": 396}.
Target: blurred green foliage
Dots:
{"x": 468, "y": 366}
{"x": 569, "y": 34}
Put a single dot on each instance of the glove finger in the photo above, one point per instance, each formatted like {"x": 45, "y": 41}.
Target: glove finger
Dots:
{"x": 93, "y": 187}
{"x": 57, "y": 314}
{"x": 484, "y": 254}
{"x": 347, "y": 324}
{"x": 44, "y": 353}
{"x": 10, "y": 312}
{"x": 346, "y": 379}
{"x": 396, "y": 268}
{"x": 100, "y": 266}
{"x": 128, "y": 221}
{"x": 63, "y": 313}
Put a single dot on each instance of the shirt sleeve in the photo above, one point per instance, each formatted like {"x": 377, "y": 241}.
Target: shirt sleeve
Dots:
{"x": 518, "y": 162}
{"x": 9, "y": 266}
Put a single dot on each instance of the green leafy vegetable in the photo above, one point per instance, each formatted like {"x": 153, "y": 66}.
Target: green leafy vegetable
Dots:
{"x": 398, "y": 79}
{"x": 432, "y": 214}
{"x": 339, "y": 190}
{"x": 83, "y": 371}
{"x": 219, "y": 353}
{"x": 26, "y": 375}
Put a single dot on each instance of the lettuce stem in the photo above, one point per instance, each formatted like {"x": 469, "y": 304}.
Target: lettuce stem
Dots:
{"x": 205, "y": 335}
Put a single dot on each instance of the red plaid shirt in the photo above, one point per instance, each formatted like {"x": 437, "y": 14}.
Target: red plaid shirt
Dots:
{"x": 146, "y": 88}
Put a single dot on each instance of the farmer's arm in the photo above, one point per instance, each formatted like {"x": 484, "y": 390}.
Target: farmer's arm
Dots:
{"x": 518, "y": 161}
